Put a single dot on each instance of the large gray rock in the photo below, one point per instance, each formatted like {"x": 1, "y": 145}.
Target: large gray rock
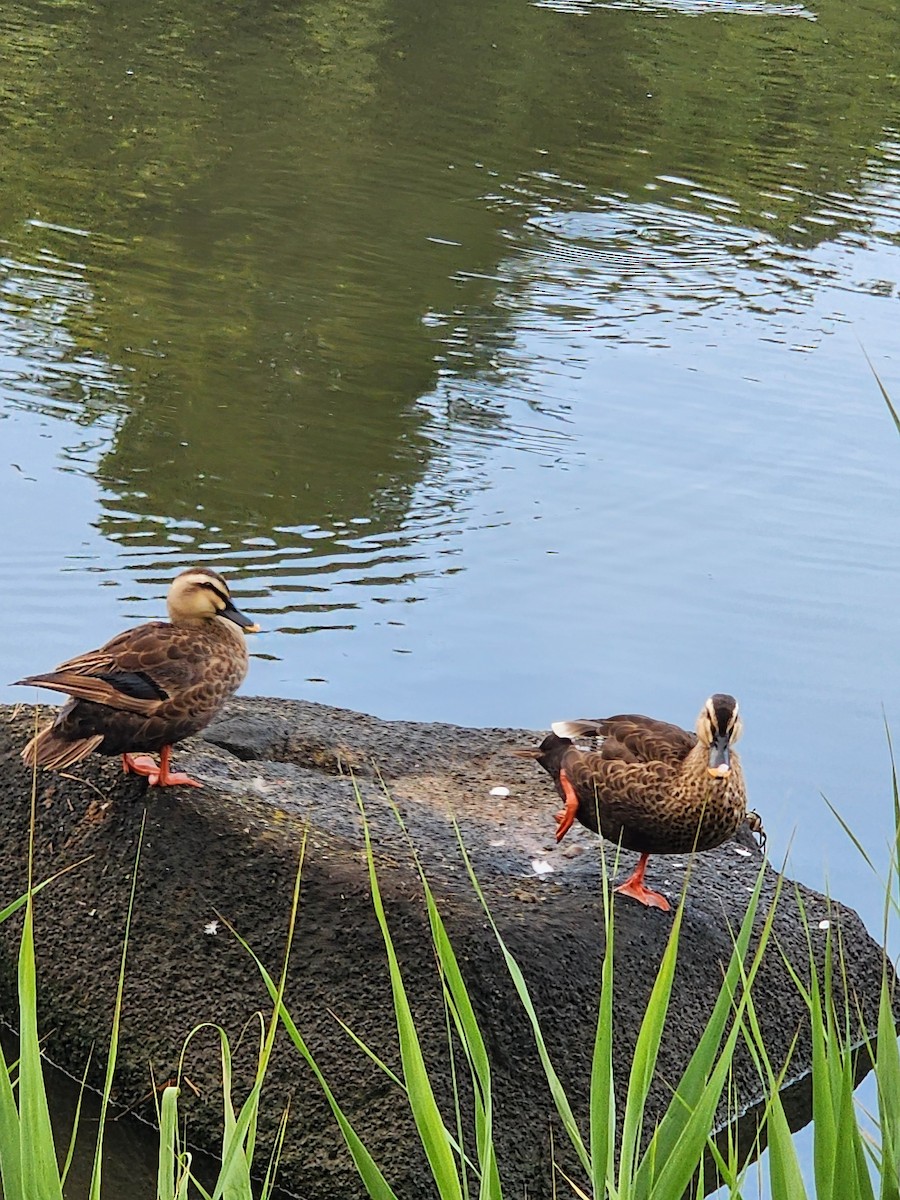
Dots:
{"x": 273, "y": 769}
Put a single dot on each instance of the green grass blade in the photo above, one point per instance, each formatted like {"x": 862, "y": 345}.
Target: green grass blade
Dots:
{"x": 850, "y": 834}
{"x": 677, "y": 1149}
{"x": 370, "y": 1053}
{"x": 39, "y": 1171}
{"x": 693, "y": 1083}
{"x": 76, "y": 1121}
{"x": 473, "y": 1043}
{"x": 234, "y": 1177}
{"x": 602, "y": 1085}
{"x": 239, "y": 1132}
{"x": 39, "y": 887}
{"x": 557, "y": 1091}
{"x": 646, "y": 1051}
{"x": 10, "y": 1137}
{"x": 785, "y": 1176}
{"x": 884, "y": 392}
{"x": 167, "y": 1161}
{"x": 40, "y": 1174}
{"x": 114, "y": 1032}
{"x": 825, "y": 1137}
{"x": 374, "y": 1181}
{"x": 887, "y": 1077}
{"x": 25, "y": 1132}
{"x": 465, "y": 1022}
{"x": 892, "y": 901}
{"x": 672, "y": 1175}
{"x": 852, "y": 1175}
{"x": 268, "y": 1183}
{"x": 429, "y": 1123}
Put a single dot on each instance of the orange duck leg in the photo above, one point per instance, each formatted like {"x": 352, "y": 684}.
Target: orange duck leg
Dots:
{"x": 634, "y": 887}
{"x": 565, "y": 818}
{"x": 158, "y": 774}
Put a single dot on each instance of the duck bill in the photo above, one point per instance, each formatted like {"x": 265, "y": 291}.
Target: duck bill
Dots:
{"x": 532, "y": 752}
{"x": 230, "y": 613}
{"x": 719, "y": 759}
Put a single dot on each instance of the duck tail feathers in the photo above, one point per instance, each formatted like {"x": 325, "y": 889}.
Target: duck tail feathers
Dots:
{"x": 578, "y": 729}
{"x": 48, "y": 749}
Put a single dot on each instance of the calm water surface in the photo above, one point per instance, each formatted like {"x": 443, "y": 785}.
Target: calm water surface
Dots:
{"x": 508, "y": 358}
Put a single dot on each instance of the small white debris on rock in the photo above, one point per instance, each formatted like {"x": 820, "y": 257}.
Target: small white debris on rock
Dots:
{"x": 825, "y": 924}
{"x": 211, "y": 928}
{"x": 742, "y": 850}
{"x": 540, "y": 866}
{"x": 499, "y": 791}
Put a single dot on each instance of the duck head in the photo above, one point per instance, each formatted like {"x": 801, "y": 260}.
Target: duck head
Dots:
{"x": 200, "y": 594}
{"x": 718, "y": 728}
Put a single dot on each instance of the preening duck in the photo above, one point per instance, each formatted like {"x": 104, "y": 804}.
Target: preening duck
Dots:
{"x": 651, "y": 786}
{"x": 150, "y": 686}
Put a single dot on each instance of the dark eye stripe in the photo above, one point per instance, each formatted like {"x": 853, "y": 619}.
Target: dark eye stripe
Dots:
{"x": 212, "y": 587}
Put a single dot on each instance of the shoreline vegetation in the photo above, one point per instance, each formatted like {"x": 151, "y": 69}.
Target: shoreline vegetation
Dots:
{"x": 616, "y": 1155}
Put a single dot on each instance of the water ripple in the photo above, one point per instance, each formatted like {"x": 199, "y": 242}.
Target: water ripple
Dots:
{"x": 686, "y": 8}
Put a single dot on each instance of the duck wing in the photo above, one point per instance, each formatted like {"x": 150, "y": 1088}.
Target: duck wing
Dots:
{"x": 136, "y": 671}
{"x": 632, "y": 737}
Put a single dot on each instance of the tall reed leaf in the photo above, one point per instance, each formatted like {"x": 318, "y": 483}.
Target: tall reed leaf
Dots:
{"x": 646, "y": 1051}
{"x": 39, "y": 1171}
{"x": 40, "y": 1174}
{"x": 603, "y": 1093}
{"x": 429, "y": 1123}
{"x": 785, "y": 1176}
{"x": 10, "y": 1148}
{"x": 114, "y": 1032}
{"x": 375, "y": 1183}
{"x": 884, "y": 392}
{"x": 557, "y": 1091}
{"x": 239, "y": 1136}
{"x": 693, "y": 1083}
{"x": 467, "y": 1028}
{"x": 234, "y": 1177}
{"x": 887, "y": 1075}
{"x": 473, "y": 1044}
{"x": 369, "y": 1172}
{"x": 167, "y": 1160}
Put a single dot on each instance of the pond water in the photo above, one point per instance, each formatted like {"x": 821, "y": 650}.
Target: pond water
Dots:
{"x": 510, "y": 359}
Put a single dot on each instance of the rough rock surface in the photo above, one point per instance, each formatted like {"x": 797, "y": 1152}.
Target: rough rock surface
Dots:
{"x": 273, "y": 769}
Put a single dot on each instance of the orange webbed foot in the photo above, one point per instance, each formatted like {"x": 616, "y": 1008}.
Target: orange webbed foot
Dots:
{"x": 634, "y": 887}
{"x": 139, "y": 764}
{"x": 644, "y": 895}
{"x": 157, "y": 774}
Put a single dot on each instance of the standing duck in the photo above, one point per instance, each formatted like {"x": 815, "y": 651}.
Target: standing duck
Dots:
{"x": 650, "y": 786}
{"x": 150, "y": 686}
